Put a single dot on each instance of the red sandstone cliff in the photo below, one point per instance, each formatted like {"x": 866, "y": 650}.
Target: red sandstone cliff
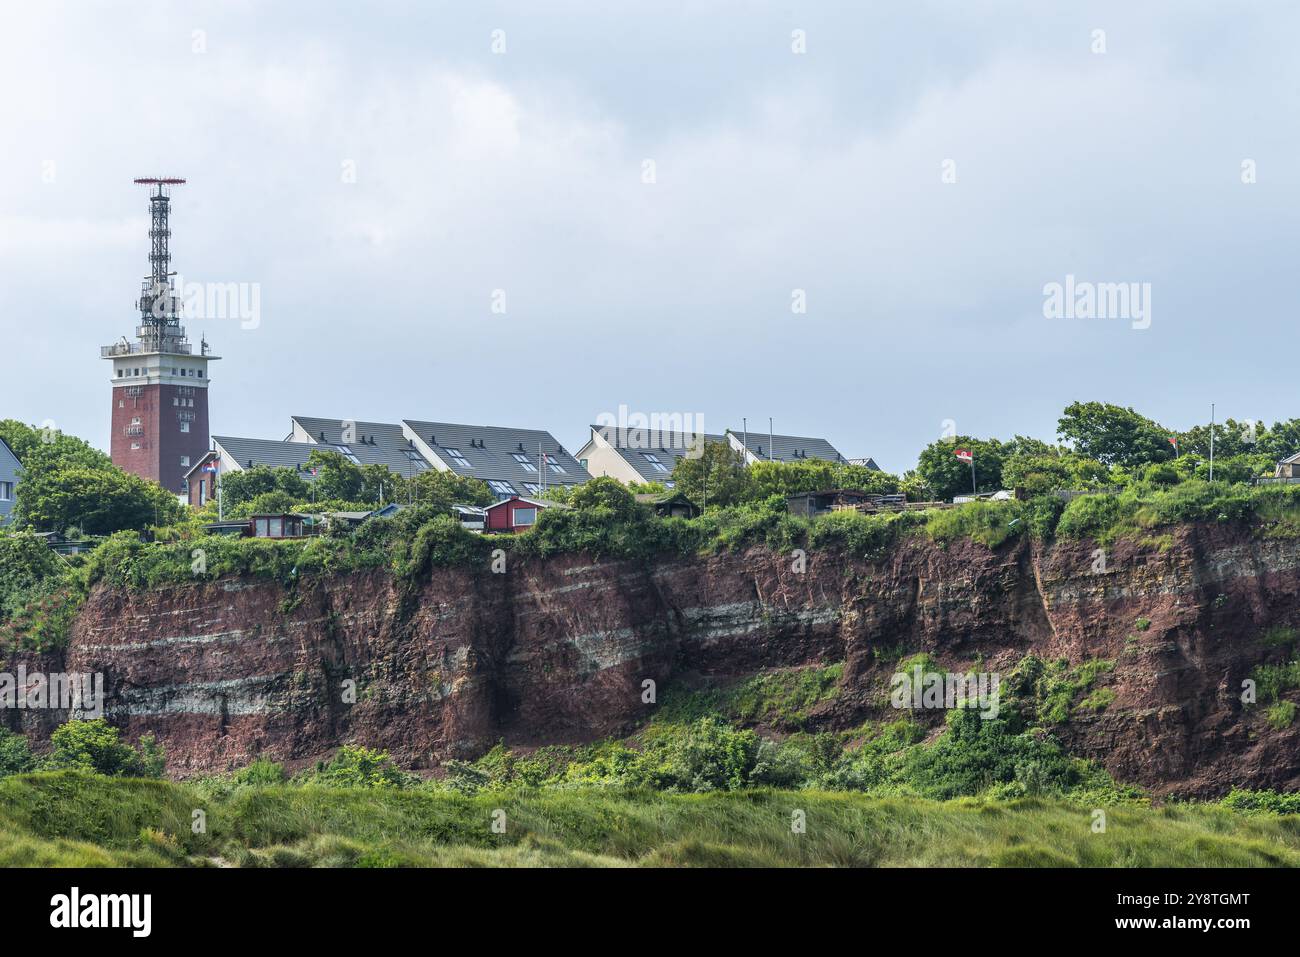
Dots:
{"x": 556, "y": 650}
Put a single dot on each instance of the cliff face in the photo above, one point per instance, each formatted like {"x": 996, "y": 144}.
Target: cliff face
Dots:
{"x": 558, "y": 650}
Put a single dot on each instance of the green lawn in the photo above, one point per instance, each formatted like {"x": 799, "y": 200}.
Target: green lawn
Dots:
{"x": 74, "y": 819}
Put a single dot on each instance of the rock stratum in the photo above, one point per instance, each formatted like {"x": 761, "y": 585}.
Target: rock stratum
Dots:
{"x": 557, "y": 650}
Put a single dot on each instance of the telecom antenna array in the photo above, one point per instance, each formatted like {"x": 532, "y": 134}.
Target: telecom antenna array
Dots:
{"x": 159, "y": 313}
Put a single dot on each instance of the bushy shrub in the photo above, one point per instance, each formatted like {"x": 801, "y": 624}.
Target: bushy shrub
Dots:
{"x": 1267, "y": 801}
{"x": 96, "y": 746}
{"x": 260, "y": 773}
{"x": 15, "y": 754}
{"x": 989, "y": 523}
{"x": 1093, "y": 516}
{"x": 861, "y": 535}
{"x": 357, "y": 767}
{"x": 441, "y": 541}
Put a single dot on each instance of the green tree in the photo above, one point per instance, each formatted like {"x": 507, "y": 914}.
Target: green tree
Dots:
{"x": 1113, "y": 435}
{"x": 716, "y": 476}
{"x": 606, "y": 493}
{"x": 1282, "y": 439}
{"x": 815, "y": 475}
{"x": 98, "y": 501}
{"x": 336, "y": 477}
{"x": 240, "y": 487}
{"x": 38, "y": 447}
{"x": 67, "y": 484}
{"x": 274, "y": 502}
{"x": 946, "y": 475}
{"x": 378, "y": 483}
{"x": 442, "y": 490}
{"x": 1036, "y": 474}
{"x": 1041, "y": 472}
{"x": 1230, "y": 438}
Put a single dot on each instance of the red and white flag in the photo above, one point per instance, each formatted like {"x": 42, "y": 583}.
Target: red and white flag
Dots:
{"x": 964, "y": 456}
{"x": 1173, "y": 440}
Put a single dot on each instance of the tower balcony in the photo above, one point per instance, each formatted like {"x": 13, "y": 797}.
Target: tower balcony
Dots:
{"x": 172, "y": 345}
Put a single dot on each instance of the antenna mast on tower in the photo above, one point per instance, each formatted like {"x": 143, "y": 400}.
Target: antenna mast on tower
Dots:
{"x": 159, "y": 311}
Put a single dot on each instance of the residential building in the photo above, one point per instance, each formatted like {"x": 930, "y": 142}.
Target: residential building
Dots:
{"x": 763, "y": 447}
{"x": 10, "y": 471}
{"x": 362, "y": 443}
{"x": 1288, "y": 468}
{"x": 638, "y": 455}
{"x": 231, "y": 453}
{"x": 511, "y": 461}
{"x": 516, "y": 513}
{"x": 643, "y": 455}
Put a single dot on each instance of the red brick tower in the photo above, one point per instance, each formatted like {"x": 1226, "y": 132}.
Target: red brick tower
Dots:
{"x": 160, "y": 387}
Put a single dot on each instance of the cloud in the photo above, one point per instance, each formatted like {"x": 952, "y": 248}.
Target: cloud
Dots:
{"x": 524, "y": 173}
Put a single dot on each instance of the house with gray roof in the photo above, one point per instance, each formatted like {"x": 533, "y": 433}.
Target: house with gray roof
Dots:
{"x": 10, "y": 471}
{"x": 362, "y": 443}
{"x": 235, "y": 453}
{"x": 643, "y": 455}
{"x": 511, "y": 461}
{"x": 638, "y": 455}
{"x": 232, "y": 453}
{"x": 764, "y": 447}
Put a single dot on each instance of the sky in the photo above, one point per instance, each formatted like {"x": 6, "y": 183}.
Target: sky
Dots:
{"x": 841, "y": 215}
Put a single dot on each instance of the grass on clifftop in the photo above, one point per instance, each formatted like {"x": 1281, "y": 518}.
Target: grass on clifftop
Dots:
{"x": 75, "y": 819}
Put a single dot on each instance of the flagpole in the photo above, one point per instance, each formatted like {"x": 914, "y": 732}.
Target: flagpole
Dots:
{"x": 973, "y": 489}
{"x": 1212, "y": 442}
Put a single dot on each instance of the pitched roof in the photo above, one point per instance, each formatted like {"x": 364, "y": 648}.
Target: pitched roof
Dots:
{"x": 538, "y": 502}
{"x": 632, "y": 446}
{"x": 275, "y": 453}
{"x": 373, "y": 443}
{"x": 491, "y": 451}
{"x": 201, "y": 461}
{"x": 8, "y": 456}
{"x": 787, "y": 448}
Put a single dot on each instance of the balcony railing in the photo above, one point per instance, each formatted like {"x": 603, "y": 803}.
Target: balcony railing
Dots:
{"x": 150, "y": 340}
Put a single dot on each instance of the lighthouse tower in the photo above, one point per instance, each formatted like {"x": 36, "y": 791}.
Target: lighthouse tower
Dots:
{"x": 160, "y": 386}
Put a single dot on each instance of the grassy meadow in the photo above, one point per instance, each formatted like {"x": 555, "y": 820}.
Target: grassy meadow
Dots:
{"x": 70, "y": 818}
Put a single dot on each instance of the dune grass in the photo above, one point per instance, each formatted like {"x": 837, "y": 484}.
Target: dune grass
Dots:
{"x": 76, "y": 819}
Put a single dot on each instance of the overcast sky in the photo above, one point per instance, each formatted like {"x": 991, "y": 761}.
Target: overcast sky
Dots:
{"x": 774, "y": 171}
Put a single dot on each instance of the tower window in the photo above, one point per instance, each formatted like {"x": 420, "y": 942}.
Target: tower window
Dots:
{"x": 185, "y": 426}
